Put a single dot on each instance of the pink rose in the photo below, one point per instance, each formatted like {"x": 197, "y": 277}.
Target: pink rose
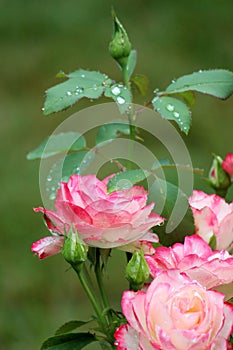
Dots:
{"x": 213, "y": 216}
{"x": 174, "y": 313}
{"x": 196, "y": 259}
{"x": 102, "y": 220}
{"x": 227, "y": 164}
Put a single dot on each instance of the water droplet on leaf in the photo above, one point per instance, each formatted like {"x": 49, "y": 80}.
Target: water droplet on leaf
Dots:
{"x": 120, "y": 100}
{"x": 176, "y": 114}
{"x": 170, "y": 107}
{"x": 116, "y": 91}
{"x": 68, "y": 93}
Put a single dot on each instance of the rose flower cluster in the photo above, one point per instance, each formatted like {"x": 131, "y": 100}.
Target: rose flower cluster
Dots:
{"x": 181, "y": 307}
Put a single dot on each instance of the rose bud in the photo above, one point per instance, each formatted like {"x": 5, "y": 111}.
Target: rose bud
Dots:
{"x": 74, "y": 249}
{"x": 120, "y": 45}
{"x": 137, "y": 270}
{"x": 218, "y": 178}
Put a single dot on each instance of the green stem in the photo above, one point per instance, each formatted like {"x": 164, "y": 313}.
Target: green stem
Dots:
{"x": 101, "y": 285}
{"x": 92, "y": 298}
{"x": 131, "y": 115}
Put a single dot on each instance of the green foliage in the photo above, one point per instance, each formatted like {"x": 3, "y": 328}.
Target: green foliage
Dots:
{"x": 217, "y": 82}
{"x": 126, "y": 179}
{"x": 173, "y": 109}
{"x": 93, "y": 85}
{"x": 111, "y": 131}
{"x": 121, "y": 95}
{"x": 70, "y": 326}
{"x": 60, "y": 143}
{"x": 166, "y": 195}
{"x": 71, "y": 341}
{"x": 213, "y": 242}
{"x": 142, "y": 83}
{"x": 81, "y": 83}
{"x": 131, "y": 62}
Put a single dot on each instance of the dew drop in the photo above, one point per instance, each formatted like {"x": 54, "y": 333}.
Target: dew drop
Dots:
{"x": 52, "y": 196}
{"x": 116, "y": 91}
{"x": 170, "y": 108}
{"x": 120, "y": 100}
{"x": 49, "y": 178}
{"x": 200, "y": 71}
{"x": 83, "y": 76}
{"x": 68, "y": 93}
{"x": 156, "y": 91}
{"x": 42, "y": 109}
{"x": 173, "y": 81}
{"x": 176, "y": 114}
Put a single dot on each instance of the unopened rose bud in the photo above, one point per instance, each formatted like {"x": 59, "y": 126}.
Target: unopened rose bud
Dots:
{"x": 218, "y": 178}
{"x": 227, "y": 164}
{"x": 74, "y": 249}
{"x": 137, "y": 270}
{"x": 120, "y": 45}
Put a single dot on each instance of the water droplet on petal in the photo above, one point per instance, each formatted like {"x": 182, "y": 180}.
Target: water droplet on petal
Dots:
{"x": 176, "y": 114}
{"x": 68, "y": 93}
{"x": 170, "y": 107}
{"x": 120, "y": 100}
{"x": 116, "y": 91}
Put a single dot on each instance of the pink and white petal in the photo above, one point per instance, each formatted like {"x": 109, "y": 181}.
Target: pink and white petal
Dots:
{"x": 145, "y": 246}
{"x": 151, "y": 237}
{"x": 196, "y": 245}
{"x": 145, "y": 343}
{"x": 126, "y": 338}
{"x": 226, "y": 329}
{"x": 72, "y": 213}
{"x": 225, "y": 235}
{"x": 205, "y": 222}
{"x": 53, "y": 221}
{"x": 130, "y": 302}
{"x": 47, "y": 246}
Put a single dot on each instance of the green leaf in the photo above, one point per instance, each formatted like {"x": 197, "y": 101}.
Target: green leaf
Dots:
{"x": 60, "y": 143}
{"x": 121, "y": 95}
{"x": 81, "y": 83}
{"x": 126, "y": 179}
{"x": 217, "y": 82}
{"x": 74, "y": 163}
{"x": 131, "y": 63}
{"x": 70, "y": 326}
{"x": 188, "y": 96}
{"x": 173, "y": 109}
{"x": 177, "y": 214}
{"x": 111, "y": 131}
{"x": 141, "y": 82}
{"x": 71, "y": 341}
{"x": 213, "y": 242}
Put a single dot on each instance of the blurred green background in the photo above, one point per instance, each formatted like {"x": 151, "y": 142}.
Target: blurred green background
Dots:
{"x": 38, "y": 38}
